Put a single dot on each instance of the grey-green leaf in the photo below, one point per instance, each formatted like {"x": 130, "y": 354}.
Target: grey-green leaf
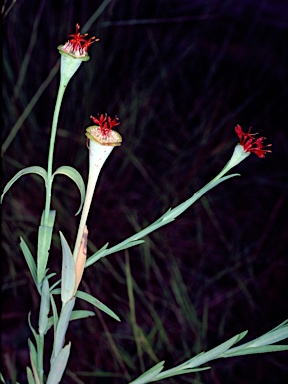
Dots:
{"x": 44, "y": 242}
{"x": 76, "y": 177}
{"x": 68, "y": 274}
{"x": 149, "y": 375}
{"x": 92, "y": 300}
{"x": 44, "y": 307}
{"x": 254, "y": 350}
{"x": 30, "y": 376}
{"x": 215, "y": 352}
{"x": 29, "y": 260}
{"x": 33, "y": 354}
{"x": 81, "y": 314}
{"x": 34, "y": 169}
{"x": 62, "y": 326}
{"x": 59, "y": 365}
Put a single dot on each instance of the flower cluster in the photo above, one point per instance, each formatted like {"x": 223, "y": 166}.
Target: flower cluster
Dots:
{"x": 102, "y": 131}
{"x": 250, "y": 143}
{"x": 77, "y": 46}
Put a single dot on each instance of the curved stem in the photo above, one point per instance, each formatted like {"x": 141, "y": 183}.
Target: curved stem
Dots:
{"x": 62, "y": 88}
{"x": 97, "y": 156}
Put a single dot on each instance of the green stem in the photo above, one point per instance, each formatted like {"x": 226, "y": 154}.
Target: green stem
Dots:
{"x": 97, "y": 156}
{"x": 40, "y": 355}
{"x": 92, "y": 180}
{"x": 62, "y": 88}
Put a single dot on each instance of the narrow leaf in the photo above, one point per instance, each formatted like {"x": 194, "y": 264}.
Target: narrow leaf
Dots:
{"x": 213, "y": 353}
{"x": 44, "y": 307}
{"x": 36, "y": 336}
{"x": 76, "y": 177}
{"x": 175, "y": 212}
{"x": 165, "y": 219}
{"x": 279, "y": 333}
{"x": 68, "y": 277}
{"x": 75, "y": 315}
{"x": 92, "y": 300}
{"x": 29, "y": 260}
{"x": 254, "y": 350}
{"x": 34, "y": 169}
{"x": 33, "y": 359}
{"x": 172, "y": 372}
{"x": 44, "y": 242}
{"x": 55, "y": 316}
{"x": 30, "y": 376}
{"x": 62, "y": 328}
{"x": 59, "y": 365}
{"x": 119, "y": 247}
{"x": 150, "y": 374}
{"x": 81, "y": 314}
{"x": 81, "y": 259}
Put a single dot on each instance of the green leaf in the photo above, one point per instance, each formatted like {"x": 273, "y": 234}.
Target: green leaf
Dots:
{"x": 29, "y": 260}
{"x": 276, "y": 334}
{"x": 44, "y": 243}
{"x": 175, "y": 372}
{"x": 68, "y": 274}
{"x": 75, "y": 315}
{"x": 35, "y": 169}
{"x": 175, "y": 212}
{"x": 33, "y": 354}
{"x": 81, "y": 314}
{"x": 36, "y": 336}
{"x": 97, "y": 255}
{"x": 62, "y": 326}
{"x": 254, "y": 350}
{"x": 30, "y": 376}
{"x": 150, "y": 374}
{"x": 76, "y": 177}
{"x": 215, "y": 352}
{"x": 55, "y": 316}
{"x": 44, "y": 307}
{"x": 92, "y": 300}
{"x": 165, "y": 219}
{"x": 58, "y": 366}
{"x": 105, "y": 252}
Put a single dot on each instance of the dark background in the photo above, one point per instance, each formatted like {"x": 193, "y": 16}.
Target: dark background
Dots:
{"x": 180, "y": 75}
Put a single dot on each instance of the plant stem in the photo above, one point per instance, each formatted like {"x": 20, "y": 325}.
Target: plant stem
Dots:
{"x": 97, "y": 156}
{"x": 62, "y": 88}
{"x": 92, "y": 180}
{"x": 40, "y": 355}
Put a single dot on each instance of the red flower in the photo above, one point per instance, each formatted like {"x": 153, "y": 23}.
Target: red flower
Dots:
{"x": 78, "y": 45}
{"x": 250, "y": 143}
{"x": 105, "y": 123}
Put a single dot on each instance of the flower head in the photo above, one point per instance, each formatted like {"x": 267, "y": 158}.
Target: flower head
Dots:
{"x": 102, "y": 132}
{"x": 77, "y": 45}
{"x": 250, "y": 143}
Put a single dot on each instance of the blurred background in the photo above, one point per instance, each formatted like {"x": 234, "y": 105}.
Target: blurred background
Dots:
{"x": 179, "y": 75}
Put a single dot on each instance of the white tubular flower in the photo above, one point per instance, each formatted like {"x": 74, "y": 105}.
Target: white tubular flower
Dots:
{"x": 73, "y": 52}
{"x": 102, "y": 141}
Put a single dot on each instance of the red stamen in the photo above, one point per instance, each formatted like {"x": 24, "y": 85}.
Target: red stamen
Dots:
{"x": 105, "y": 123}
{"x": 250, "y": 143}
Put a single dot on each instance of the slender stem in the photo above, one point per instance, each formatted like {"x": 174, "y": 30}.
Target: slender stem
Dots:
{"x": 92, "y": 180}
{"x": 62, "y": 88}
{"x": 97, "y": 157}
{"x": 40, "y": 355}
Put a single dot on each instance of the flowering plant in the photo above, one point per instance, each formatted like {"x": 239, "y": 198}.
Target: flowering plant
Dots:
{"x": 102, "y": 140}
